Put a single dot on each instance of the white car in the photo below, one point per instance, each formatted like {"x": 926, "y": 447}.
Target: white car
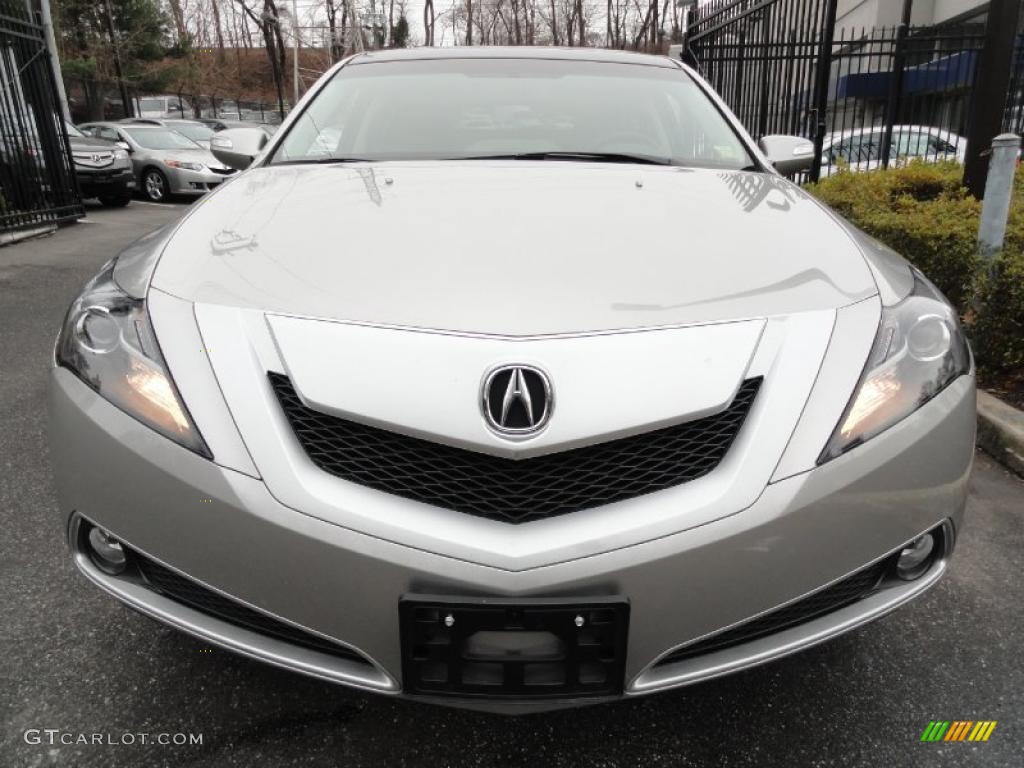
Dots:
{"x": 861, "y": 149}
{"x": 161, "y": 106}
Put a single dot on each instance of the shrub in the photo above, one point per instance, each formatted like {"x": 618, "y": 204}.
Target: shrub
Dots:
{"x": 919, "y": 210}
{"x": 922, "y": 211}
{"x": 998, "y": 331}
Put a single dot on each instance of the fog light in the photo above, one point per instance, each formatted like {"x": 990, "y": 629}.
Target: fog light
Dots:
{"x": 106, "y": 551}
{"x": 915, "y": 559}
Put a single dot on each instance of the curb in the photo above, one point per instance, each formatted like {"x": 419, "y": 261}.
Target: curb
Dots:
{"x": 9, "y": 238}
{"x": 1001, "y": 431}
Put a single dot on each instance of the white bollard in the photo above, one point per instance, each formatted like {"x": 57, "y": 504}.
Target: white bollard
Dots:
{"x": 995, "y": 208}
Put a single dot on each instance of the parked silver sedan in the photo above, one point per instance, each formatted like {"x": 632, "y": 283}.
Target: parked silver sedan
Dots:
{"x": 430, "y": 402}
{"x": 165, "y": 161}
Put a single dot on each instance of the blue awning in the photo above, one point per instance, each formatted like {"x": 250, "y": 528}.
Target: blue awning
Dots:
{"x": 946, "y": 74}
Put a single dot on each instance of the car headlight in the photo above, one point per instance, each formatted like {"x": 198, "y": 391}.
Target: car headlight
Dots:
{"x": 120, "y": 154}
{"x": 184, "y": 165}
{"x": 108, "y": 342}
{"x": 919, "y": 349}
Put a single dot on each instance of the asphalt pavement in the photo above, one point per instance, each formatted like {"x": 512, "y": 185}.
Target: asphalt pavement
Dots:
{"x": 77, "y": 664}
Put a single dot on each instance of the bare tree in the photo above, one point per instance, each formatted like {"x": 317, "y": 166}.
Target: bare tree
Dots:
{"x": 218, "y": 29}
{"x": 269, "y": 24}
{"x": 178, "y": 16}
{"x": 428, "y": 22}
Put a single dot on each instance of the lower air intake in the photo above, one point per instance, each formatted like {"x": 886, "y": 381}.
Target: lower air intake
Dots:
{"x": 840, "y": 594}
{"x": 188, "y": 592}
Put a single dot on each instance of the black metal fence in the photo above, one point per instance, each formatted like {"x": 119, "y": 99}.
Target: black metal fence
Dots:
{"x": 191, "y": 106}
{"x": 37, "y": 180}
{"x": 763, "y": 59}
{"x": 898, "y": 93}
{"x": 867, "y": 97}
{"x": 102, "y": 101}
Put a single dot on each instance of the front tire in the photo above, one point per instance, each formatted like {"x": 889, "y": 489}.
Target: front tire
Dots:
{"x": 155, "y": 186}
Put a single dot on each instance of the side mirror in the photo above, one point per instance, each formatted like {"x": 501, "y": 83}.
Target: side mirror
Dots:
{"x": 788, "y": 154}
{"x": 237, "y": 147}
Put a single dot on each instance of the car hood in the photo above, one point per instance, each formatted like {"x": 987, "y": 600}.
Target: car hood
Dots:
{"x": 84, "y": 144}
{"x": 513, "y": 248}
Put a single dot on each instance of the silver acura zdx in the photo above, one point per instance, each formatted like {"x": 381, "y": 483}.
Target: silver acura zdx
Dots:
{"x": 511, "y": 379}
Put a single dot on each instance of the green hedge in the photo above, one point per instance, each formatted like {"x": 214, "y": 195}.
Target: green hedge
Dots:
{"x": 922, "y": 211}
{"x": 998, "y": 330}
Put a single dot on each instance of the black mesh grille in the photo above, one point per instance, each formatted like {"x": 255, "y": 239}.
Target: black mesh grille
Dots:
{"x": 847, "y": 591}
{"x": 184, "y": 590}
{"x": 514, "y": 491}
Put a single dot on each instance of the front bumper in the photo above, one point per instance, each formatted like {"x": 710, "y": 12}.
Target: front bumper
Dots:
{"x": 185, "y": 182}
{"x": 114, "y": 181}
{"x": 225, "y": 530}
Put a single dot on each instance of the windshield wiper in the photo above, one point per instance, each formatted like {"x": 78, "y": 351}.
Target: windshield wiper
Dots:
{"x": 596, "y": 157}
{"x": 319, "y": 160}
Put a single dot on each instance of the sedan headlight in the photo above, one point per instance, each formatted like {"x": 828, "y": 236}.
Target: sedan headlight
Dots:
{"x": 108, "y": 342}
{"x": 184, "y": 165}
{"x": 918, "y": 351}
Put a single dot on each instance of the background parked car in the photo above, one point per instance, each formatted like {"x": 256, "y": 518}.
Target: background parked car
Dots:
{"x": 193, "y": 129}
{"x": 161, "y": 106}
{"x": 165, "y": 162}
{"x": 227, "y": 110}
{"x": 217, "y": 124}
{"x": 104, "y": 170}
{"x": 861, "y": 148}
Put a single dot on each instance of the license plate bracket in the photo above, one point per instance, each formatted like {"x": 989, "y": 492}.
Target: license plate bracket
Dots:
{"x": 513, "y": 647}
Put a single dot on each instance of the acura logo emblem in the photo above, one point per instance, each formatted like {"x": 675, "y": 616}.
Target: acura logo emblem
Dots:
{"x": 517, "y": 400}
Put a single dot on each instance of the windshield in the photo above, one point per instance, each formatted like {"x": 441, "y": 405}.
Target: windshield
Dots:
{"x": 195, "y": 131}
{"x": 159, "y": 138}
{"x": 72, "y": 131}
{"x": 467, "y": 108}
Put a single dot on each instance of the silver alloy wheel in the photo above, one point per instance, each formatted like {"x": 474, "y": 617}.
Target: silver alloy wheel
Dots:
{"x": 155, "y": 185}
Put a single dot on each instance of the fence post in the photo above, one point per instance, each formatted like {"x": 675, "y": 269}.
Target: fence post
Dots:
{"x": 896, "y": 81}
{"x": 762, "y": 124}
{"x": 991, "y": 82}
{"x": 689, "y": 19}
{"x": 995, "y": 209}
{"x": 51, "y": 46}
{"x": 822, "y": 77}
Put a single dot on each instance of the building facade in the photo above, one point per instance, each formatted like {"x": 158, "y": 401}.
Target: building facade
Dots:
{"x": 888, "y": 13}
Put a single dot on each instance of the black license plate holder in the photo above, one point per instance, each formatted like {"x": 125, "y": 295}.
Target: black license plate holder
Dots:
{"x": 547, "y": 647}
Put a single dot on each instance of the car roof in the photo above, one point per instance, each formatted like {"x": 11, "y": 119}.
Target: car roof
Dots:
{"x": 549, "y": 53}
{"x": 879, "y": 128}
